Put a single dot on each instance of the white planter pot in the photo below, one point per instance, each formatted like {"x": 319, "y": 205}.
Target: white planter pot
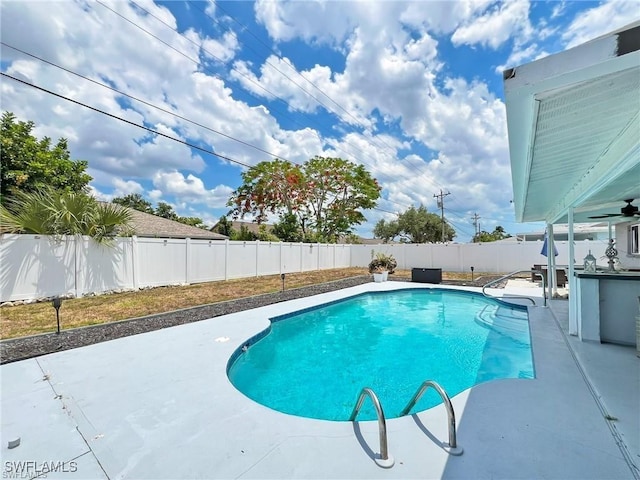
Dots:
{"x": 378, "y": 277}
{"x": 385, "y": 275}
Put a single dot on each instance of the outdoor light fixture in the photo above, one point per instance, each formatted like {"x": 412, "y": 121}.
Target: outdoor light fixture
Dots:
{"x": 282, "y": 277}
{"x": 589, "y": 263}
{"x": 472, "y": 269}
{"x": 57, "y": 303}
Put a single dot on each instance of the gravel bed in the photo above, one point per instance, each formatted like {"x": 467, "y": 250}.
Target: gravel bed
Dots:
{"x": 15, "y": 349}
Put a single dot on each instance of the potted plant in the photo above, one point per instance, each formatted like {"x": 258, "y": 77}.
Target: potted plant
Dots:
{"x": 381, "y": 266}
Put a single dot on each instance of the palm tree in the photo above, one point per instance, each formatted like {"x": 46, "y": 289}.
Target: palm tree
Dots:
{"x": 56, "y": 212}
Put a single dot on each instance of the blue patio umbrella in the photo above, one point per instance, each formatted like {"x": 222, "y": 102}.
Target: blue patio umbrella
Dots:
{"x": 545, "y": 247}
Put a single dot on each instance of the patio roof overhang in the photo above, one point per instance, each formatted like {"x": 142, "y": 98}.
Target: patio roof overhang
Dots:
{"x": 574, "y": 130}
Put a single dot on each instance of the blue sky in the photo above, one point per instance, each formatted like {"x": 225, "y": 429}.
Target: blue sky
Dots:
{"x": 411, "y": 90}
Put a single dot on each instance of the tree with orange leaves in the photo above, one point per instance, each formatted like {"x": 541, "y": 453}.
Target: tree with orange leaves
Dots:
{"x": 326, "y": 195}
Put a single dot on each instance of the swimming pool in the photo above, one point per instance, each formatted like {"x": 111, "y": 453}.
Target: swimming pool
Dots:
{"x": 314, "y": 363}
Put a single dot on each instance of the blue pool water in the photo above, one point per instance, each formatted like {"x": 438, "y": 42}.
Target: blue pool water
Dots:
{"x": 315, "y": 362}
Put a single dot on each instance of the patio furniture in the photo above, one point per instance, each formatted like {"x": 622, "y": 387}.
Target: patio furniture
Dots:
{"x": 561, "y": 275}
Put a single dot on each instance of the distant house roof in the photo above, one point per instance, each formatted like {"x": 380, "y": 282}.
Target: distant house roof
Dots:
{"x": 251, "y": 226}
{"x": 147, "y": 225}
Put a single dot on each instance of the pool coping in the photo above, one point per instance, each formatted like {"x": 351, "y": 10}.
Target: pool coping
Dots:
{"x": 179, "y": 415}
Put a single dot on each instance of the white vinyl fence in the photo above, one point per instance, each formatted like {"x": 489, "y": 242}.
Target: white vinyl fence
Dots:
{"x": 494, "y": 257}
{"x": 37, "y": 267}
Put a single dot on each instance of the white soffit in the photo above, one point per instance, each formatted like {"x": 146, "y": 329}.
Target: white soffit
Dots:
{"x": 574, "y": 130}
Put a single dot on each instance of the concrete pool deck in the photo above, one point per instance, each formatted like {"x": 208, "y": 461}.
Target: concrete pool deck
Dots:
{"x": 159, "y": 405}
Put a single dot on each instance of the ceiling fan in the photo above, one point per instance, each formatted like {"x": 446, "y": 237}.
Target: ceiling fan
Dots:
{"x": 627, "y": 211}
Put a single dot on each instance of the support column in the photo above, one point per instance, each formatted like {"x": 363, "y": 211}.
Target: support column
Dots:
{"x": 551, "y": 255}
{"x": 573, "y": 290}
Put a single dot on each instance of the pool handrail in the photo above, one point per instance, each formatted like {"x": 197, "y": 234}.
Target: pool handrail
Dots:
{"x": 540, "y": 273}
{"x": 385, "y": 460}
{"x": 452, "y": 447}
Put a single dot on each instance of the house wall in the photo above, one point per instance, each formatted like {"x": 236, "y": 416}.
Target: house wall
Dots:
{"x": 36, "y": 267}
{"x": 622, "y": 245}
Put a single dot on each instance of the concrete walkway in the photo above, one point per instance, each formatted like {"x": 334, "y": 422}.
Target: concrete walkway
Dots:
{"x": 159, "y": 405}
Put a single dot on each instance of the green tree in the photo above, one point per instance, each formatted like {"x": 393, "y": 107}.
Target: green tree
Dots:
{"x": 337, "y": 191}
{"x": 193, "y": 221}
{"x": 165, "y": 210}
{"x": 58, "y": 212}
{"x": 244, "y": 234}
{"x": 268, "y": 187}
{"x": 288, "y": 229}
{"x": 486, "y": 237}
{"x": 135, "y": 201}
{"x": 326, "y": 195}
{"x": 224, "y": 227}
{"x": 415, "y": 225}
{"x": 264, "y": 235}
{"x": 28, "y": 164}
{"x": 387, "y": 231}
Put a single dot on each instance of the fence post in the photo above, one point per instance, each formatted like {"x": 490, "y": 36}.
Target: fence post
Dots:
{"x": 76, "y": 268}
{"x": 134, "y": 258}
{"x": 226, "y": 259}
{"x": 187, "y": 259}
{"x": 257, "y": 256}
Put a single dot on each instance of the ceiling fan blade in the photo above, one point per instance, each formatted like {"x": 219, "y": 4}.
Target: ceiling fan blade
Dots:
{"x": 606, "y": 215}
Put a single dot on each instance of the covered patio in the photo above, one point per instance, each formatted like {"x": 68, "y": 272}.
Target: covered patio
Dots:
{"x": 574, "y": 139}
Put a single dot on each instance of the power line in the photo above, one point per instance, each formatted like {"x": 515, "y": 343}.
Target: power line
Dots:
{"x": 145, "y": 102}
{"x": 358, "y": 122}
{"x": 151, "y": 130}
{"x": 197, "y": 62}
{"x": 248, "y": 30}
{"x": 175, "y": 114}
{"x": 164, "y": 110}
{"x": 77, "y": 102}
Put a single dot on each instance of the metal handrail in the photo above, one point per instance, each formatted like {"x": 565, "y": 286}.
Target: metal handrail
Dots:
{"x": 509, "y": 275}
{"x": 453, "y": 445}
{"x": 385, "y": 459}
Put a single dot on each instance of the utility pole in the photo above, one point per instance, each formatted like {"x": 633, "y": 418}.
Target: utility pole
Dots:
{"x": 440, "y": 201}
{"x": 476, "y": 224}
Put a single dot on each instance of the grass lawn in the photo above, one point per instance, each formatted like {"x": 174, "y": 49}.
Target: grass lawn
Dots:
{"x": 34, "y": 318}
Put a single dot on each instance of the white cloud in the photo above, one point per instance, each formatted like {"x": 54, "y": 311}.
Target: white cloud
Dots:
{"x": 223, "y": 49}
{"x": 597, "y": 21}
{"x": 210, "y": 9}
{"x": 393, "y": 75}
{"x": 496, "y": 26}
{"x": 155, "y": 195}
{"x": 190, "y": 189}
{"x": 311, "y": 21}
{"x": 126, "y": 187}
